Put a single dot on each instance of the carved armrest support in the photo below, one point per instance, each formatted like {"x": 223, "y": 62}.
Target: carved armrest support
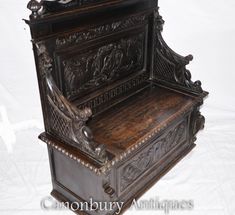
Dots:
{"x": 73, "y": 119}
{"x": 182, "y": 76}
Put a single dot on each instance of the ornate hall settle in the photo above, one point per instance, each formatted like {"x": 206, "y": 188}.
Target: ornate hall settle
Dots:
{"x": 120, "y": 108}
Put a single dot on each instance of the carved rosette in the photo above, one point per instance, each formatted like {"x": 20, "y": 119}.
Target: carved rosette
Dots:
{"x": 170, "y": 66}
{"x": 67, "y": 121}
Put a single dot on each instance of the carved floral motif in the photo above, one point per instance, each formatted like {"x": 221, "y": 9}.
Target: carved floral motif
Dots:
{"x": 77, "y": 37}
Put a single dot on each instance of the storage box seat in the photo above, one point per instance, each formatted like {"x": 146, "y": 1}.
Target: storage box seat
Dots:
{"x": 143, "y": 115}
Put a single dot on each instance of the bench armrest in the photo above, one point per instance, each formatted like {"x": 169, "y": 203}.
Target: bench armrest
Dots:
{"x": 172, "y": 66}
{"x": 67, "y": 121}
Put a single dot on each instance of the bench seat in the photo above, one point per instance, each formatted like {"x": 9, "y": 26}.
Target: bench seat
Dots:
{"x": 131, "y": 121}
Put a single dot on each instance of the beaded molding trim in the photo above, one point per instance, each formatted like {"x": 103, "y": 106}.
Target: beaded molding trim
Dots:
{"x": 109, "y": 164}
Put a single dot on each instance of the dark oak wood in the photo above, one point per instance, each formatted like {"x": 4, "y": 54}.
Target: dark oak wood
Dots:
{"x": 119, "y": 106}
{"x": 132, "y": 120}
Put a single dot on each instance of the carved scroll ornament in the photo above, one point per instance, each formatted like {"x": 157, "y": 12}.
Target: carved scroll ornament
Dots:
{"x": 169, "y": 64}
{"x": 71, "y": 119}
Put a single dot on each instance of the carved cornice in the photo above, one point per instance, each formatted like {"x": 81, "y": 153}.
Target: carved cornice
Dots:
{"x": 71, "y": 121}
{"x": 94, "y": 32}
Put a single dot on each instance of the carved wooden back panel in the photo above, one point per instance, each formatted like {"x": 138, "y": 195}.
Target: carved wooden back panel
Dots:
{"x": 104, "y": 51}
{"x": 102, "y": 63}
{"x": 101, "y": 55}
{"x": 98, "y": 58}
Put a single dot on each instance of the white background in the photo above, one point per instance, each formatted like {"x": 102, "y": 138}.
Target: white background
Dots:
{"x": 204, "y": 28}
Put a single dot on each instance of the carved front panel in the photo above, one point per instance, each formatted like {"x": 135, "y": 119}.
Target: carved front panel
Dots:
{"x": 85, "y": 71}
{"x": 130, "y": 173}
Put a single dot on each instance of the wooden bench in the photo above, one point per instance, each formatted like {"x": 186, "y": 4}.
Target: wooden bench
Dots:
{"x": 119, "y": 106}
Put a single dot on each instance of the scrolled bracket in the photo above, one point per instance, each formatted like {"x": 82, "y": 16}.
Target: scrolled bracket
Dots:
{"x": 172, "y": 63}
{"x": 73, "y": 119}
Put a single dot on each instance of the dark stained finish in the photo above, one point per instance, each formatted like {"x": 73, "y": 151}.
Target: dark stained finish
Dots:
{"x": 129, "y": 122}
{"x": 119, "y": 106}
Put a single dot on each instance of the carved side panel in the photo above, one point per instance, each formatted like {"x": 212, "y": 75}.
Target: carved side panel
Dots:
{"x": 66, "y": 122}
{"x": 132, "y": 172}
{"x": 169, "y": 66}
{"x": 85, "y": 72}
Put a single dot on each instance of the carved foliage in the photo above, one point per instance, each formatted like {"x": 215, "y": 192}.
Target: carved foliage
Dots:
{"x": 131, "y": 172}
{"x": 170, "y": 66}
{"x": 173, "y": 138}
{"x": 77, "y": 37}
{"x": 138, "y": 166}
{"x": 99, "y": 66}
